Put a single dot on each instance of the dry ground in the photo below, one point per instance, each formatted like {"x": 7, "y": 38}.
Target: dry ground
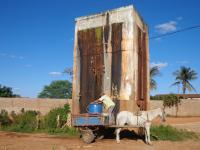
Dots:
{"x": 19, "y": 141}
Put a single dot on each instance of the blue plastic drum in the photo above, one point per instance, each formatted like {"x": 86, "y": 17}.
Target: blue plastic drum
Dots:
{"x": 95, "y": 108}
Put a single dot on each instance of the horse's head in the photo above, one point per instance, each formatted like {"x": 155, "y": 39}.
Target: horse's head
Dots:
{"x": 163, "y": 116}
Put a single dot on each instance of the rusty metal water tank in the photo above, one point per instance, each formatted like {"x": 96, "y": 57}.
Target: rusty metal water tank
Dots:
{"x": 111, "y": 56}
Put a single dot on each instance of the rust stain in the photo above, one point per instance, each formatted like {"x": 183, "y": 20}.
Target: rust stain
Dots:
{"x": 106, "y": 32}
{"x": 91, "y": 65}
{"x": 142, "y": 70}
{"x": 116, "y": 55}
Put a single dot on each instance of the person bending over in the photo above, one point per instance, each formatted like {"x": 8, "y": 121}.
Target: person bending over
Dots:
{"x": 109, "y": 105}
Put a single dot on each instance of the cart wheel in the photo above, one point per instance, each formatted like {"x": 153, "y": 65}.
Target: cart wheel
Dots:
{"x": 87, "y": 136}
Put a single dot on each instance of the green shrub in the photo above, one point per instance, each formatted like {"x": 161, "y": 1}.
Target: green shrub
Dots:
{"x": 4, "y": 118}
{"x": 164, "y": 97}
{"x": 155, "y": 97}
{"x": 13, "y": 114}
{"x": 172, "y": 101}
{"x": 24, "y": 122}
{"x": 171, "y": 133}
{"x": 29, "y": 121}
{"x": 50, "y": 120}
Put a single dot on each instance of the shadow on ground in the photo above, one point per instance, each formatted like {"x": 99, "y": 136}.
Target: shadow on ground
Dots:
{"x": 124, "y": 134}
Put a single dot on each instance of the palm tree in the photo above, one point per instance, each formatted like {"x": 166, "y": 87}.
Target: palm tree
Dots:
{"x": 154, "y": 71}
{"x": 183, "y": 78}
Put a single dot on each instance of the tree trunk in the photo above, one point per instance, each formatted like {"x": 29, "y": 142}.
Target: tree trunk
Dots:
{"x": 184, "y": 89}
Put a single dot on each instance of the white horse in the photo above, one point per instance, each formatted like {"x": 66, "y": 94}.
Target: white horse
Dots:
{"x": 142, "y": 120}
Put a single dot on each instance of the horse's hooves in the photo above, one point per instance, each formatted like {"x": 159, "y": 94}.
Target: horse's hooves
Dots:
{"x": 118, "y": 142}
{"x": 150, "y": 143}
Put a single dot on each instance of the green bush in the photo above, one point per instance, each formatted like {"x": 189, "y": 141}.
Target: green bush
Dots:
{"x": 164, "y": 97}
{"x": 13, "y": 114}
{"x": 171, "y": 100}
{"x": 155, "y": 97}
{"x": 24, "y": 122}
{"x": 31, "y": 121}
{"x": 50, "y": 120}
{"x": 4, "y": 118}
{"x": 171, "y": 133}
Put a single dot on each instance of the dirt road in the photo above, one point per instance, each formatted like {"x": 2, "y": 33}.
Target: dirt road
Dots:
{"x": 19, "y": 141}
{"x": 13, "y": 141}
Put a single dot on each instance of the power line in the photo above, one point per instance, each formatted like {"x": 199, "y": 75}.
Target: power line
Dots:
{"x": 171, "y": 33}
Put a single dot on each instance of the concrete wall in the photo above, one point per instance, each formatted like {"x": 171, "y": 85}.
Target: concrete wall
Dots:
{"x": 42, "y": 105}
{"x": 188, "y": 107}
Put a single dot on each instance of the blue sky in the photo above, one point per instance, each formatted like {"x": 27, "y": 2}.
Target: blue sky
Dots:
{"x": 36, "y": 39}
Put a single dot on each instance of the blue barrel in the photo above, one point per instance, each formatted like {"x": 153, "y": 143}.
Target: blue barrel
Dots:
{"x": 95, "y": 108}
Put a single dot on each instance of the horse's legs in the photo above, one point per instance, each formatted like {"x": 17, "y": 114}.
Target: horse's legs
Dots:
{"x": 117, "y": 135}
{"x": 145, "y": 134}
{"x": 147, "y": 128}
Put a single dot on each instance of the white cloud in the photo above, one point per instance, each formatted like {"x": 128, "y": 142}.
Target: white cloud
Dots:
{"x": 159, "y": 64}
{"x": 166, "y": 27}
{"x": 55, "y": 73}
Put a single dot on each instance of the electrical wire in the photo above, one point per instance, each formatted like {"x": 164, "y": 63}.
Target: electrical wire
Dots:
{"x": 178, "y": 31}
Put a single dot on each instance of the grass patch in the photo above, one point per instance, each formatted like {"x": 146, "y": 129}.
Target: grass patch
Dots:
{"x": 68, "y": 131}
{"x": 14, "y": 128}
{"x": 65, "y": 132}
{"x": 172, "y": 134}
